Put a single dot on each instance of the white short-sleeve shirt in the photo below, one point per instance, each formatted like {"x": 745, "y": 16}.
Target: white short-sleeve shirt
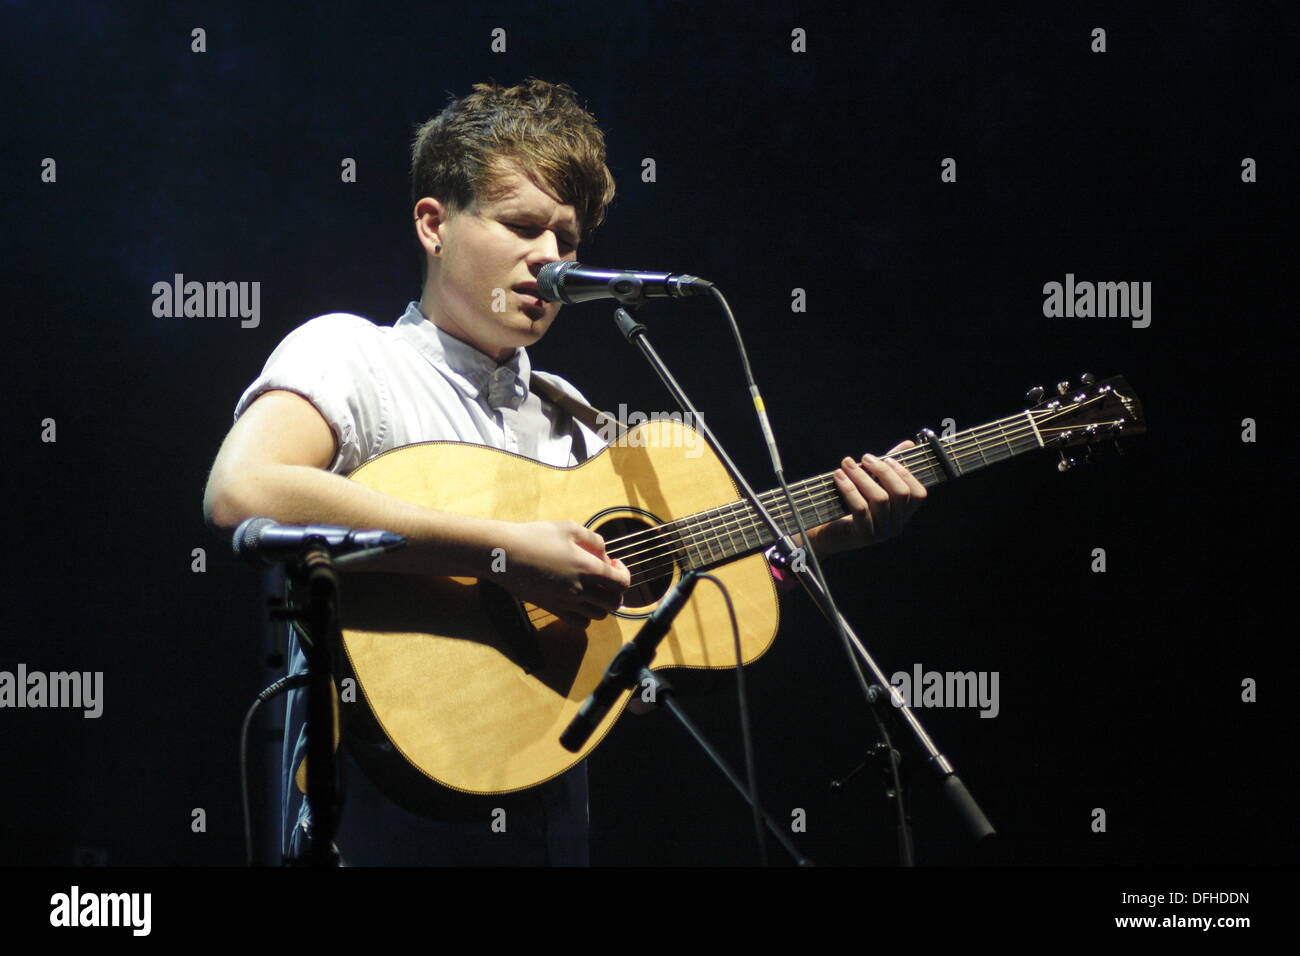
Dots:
{"x": 380, "y": 387}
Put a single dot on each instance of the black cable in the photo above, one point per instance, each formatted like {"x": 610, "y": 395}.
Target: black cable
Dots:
{"x": 811, "y": 552}
{"x": 779, "y": 469}
{"x": 746, "y": 732}
{"x": 288, "y": 682}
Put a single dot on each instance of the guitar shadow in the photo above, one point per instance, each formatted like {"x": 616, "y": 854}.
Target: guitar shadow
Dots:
{"x": 465, "y": 609}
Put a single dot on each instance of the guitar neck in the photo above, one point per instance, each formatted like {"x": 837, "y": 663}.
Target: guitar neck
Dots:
{"x": 713, "y": 537}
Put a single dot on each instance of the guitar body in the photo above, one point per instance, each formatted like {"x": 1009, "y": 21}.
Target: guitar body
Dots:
{"x": 473, "y": 687}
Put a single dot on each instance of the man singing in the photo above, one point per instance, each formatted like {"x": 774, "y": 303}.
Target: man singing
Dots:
{"x": 504, "y": 181}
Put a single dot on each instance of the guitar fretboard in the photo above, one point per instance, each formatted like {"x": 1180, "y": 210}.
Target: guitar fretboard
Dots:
{"x": 709, "y": 538}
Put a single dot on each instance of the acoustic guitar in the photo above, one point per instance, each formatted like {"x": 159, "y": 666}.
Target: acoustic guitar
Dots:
{"x": 472, "y": 687}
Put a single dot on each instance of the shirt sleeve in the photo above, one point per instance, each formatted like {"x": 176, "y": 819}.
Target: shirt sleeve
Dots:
{"x": 331, "y": 362}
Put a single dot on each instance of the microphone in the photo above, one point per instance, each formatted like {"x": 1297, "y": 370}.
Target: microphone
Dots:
{"x": 262, "y": 541}
{"x": 626, "y": 666}
{"x": 573, "y": 282}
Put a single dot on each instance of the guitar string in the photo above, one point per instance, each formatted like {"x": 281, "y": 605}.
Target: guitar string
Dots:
{"x": 736, "y": 511}
{"x": 729, "y": 520}
{"x": 922, "y": 453}
{"x": 739, "y": 516}
{"x": 658, "y": 561}
{"x": 781, "y": 511}
{"x": 663, "y": 569}
{"x": 667, "y": 544}
{"x": 713, "y": 516}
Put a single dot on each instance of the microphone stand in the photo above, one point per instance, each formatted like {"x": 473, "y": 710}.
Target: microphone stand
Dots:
{"x": 665, "y": 695}
{"x": 314, "y": 574}
{"x": 953, "y": 788}
{"x": 629, "y": 667}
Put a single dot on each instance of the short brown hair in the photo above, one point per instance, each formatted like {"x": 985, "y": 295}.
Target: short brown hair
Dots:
{"x": 540, "y": 126}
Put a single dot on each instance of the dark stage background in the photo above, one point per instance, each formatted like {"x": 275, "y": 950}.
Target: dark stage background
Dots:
{"x": 775, "y": 170}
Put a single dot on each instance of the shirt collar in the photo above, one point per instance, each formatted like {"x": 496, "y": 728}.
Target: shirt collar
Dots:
{"x": 475, "y": 374}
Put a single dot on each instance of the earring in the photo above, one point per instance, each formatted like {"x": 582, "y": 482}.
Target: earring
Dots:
{"x": 437, "y": 248}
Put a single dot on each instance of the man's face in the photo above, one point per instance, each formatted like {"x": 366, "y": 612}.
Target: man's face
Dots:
{"x": 489, "y": 262}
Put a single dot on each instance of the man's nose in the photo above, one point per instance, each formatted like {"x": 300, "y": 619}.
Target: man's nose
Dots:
{"x": 546, "y": 248}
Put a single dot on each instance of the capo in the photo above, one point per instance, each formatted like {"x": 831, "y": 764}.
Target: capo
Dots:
{"x": 941, "y": 453}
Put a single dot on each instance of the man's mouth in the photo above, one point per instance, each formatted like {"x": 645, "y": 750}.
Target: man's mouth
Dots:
{"x": 528, "y": 297}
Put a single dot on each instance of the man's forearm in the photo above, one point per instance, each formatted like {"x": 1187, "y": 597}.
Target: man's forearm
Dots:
{"x": 439, "y": 542}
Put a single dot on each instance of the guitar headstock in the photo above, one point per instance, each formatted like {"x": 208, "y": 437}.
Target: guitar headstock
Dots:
{"x": 1086, "y": 413}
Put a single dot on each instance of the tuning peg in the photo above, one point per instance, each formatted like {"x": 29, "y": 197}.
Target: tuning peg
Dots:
{"x": 1065, "y": 464}
{"x": 1035, "y": 395}
{"x": 1087, "y": 378}
{"x": 1062, "y": 388}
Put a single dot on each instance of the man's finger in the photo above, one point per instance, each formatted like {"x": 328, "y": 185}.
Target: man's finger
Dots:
{"x": 613, "y": 576}
{"x": 591, "y": 541}
{"x": 888, "y": 478}
{"x": 856, "y": 490}
{"x": 889, "y": 498}
{"x": 918, "y": 490}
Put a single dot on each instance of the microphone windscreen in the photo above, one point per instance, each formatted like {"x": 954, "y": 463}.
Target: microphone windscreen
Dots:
{"x": 249, "y": 534}
{"x": 549, "y": 278}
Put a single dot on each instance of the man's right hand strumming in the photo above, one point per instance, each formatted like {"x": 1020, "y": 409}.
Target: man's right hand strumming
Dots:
{"x": 562, "y": 567}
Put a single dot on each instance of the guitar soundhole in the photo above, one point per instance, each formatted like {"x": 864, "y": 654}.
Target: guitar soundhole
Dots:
{"x": 651, "y": 575}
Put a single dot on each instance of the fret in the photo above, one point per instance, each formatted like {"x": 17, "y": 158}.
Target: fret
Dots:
{"x": 931, "y": 466}
{"x": 956, "y": 459}
{"x": 677, "y": 550}
{"x": 832, "y": 506}
{"x": 745, "y": 524}
{"x": 979, "y": 447}
{"x": 997, "y": 447}
{"x": 705, "y": 545}
{"x": 1003, "y": 432}
{"x": 824, "y": 507}
{"x": 722, "y": 527}
{"x": 735, "y": 526}
{"x": 753, "y": 535}
{"x": 809, "y": 510}
{"x": 692, "y": 545}
{"x": 699, "y": 543}
{"x": 719, "y": 527}
{"x": 700, "y": 532}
